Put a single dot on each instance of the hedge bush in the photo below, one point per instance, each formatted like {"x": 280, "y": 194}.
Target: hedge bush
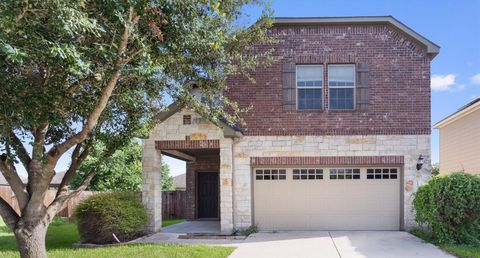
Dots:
{"x": 450, "y": 206}
{"x": 119, "y": 213}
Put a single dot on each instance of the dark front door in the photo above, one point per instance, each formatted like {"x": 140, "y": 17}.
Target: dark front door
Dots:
{"x": 207, "y": 194}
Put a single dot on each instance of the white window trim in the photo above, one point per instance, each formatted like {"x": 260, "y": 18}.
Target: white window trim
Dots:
{"x": 344, "y": 87}
{"x": 310, "y": 87}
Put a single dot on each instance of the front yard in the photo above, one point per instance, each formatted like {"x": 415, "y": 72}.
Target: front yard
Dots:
{"x": 462, "y": 251}
{"x": 62, "y": 235}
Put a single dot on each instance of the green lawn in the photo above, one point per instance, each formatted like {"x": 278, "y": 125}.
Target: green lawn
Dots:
{"x": 62, "y": 235}
{"x": 169, "y": 222}
{"x": 462, "y": 251}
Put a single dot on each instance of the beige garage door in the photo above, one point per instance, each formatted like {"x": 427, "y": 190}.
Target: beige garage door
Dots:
{"x": 337, "y": 198}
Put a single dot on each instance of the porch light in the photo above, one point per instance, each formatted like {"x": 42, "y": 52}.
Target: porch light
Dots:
{"x": 420, "y": 162}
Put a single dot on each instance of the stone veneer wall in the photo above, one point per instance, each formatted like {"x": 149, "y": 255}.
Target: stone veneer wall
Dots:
{"x": 409, "y": 146}
{"x": 235, "y": 168}
{"x": 173, "y": 128}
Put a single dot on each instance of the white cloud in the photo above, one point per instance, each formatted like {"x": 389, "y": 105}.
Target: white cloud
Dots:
{"x": 475, "y": 79}
{"x": 445, "y": 82}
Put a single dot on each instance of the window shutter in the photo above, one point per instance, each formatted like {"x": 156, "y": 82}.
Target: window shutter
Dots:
{"x": 362, "y": 86}
{"x": 289, "y": 87}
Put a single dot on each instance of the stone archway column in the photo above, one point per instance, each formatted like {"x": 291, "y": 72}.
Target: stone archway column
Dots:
{"x": 152, "y": 187}
{"x": 226, "y": 186}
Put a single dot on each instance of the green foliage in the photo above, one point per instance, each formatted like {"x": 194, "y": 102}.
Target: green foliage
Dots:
{"x": 246, "y": 231}
{"x": 435, "y": 169}
{"x": 459, "y": 250}
{"x": 62, "y": 236}
{"x": 77, "y": 72}
{"x": 121, "y": 172}
{"x": 119, "y": 213}
{"x": 167, "y": 180}
{"x": 57, "y": 57}
{"x": 169, "y": 222}
{"x": 450, "y": 206}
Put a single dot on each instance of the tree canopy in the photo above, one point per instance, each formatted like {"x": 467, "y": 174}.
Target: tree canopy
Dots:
{"x": 74, "y": 72}
{"x": 122, "y": 171}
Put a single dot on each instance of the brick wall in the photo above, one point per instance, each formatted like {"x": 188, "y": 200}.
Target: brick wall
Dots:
{"x": 205, "y": 164}
{"x": 398, "y": 80}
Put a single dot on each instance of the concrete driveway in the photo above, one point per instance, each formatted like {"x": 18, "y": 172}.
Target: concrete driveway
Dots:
{"x": 336, "y": 244}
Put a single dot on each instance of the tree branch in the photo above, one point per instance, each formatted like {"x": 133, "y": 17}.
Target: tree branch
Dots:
{"x": 8, "y": 171}
{"x": 20, "y": 150}
{"x": 39, "y": 141}
{"x": 65, "y": 196}
{"x": 77, "y": 160}
{"x": 135, "y": 54}
{"x": 9, "y": 215}
{"x": 92, "y": 119}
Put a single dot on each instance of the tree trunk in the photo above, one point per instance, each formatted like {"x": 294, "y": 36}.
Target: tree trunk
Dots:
{"x": 31, "y": 241}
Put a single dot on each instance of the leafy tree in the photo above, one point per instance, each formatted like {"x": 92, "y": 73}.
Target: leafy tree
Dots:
{"x": 167, "y": 180}
{"x": 123, "y": 172}
{"x": 77, "y": 72}
{"x": 435, "y": 169}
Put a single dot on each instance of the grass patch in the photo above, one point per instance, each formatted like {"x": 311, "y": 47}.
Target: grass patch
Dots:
{"x": 62, "y": 235}
{"x": 169, "y": 222}
{"x": 462, "y": 251}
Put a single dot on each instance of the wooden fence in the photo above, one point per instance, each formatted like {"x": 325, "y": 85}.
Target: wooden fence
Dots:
{"x": 67, "y": 209}
{"x": 173, "y": 202}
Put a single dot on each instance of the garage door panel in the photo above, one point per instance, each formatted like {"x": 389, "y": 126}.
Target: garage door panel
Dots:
{"x": 327, "y": 204}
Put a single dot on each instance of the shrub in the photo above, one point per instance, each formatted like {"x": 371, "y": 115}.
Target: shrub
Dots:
{"x": 246, "y": 231}
{"x": 450, "y": 206}
{"x": 100, "y": 216}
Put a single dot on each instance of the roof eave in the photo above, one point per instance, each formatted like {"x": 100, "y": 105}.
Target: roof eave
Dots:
{"x": 432, "y": 48}
{"x": 458, "y": 114}
{"x": 228, "y": 130}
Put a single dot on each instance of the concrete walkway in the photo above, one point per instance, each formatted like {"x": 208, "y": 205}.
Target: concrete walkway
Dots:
{"x": 196, "y": 226}
{"x": 325, "y": 244}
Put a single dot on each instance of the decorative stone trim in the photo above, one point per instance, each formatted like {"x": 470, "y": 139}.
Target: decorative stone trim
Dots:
{"x": 327, "y": 160}
{"x": 187, "y": 144}
{"x": 389, "y": 131}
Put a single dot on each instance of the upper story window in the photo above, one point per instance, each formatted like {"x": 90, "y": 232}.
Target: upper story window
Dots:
{"x": 341, "y": 84}
{"x": 309, "y": 86}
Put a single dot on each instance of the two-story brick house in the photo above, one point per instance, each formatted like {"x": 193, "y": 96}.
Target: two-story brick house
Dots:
{"x": 332, "y": 141}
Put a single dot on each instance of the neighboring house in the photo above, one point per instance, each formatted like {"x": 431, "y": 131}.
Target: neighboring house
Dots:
{"x": 57, "y": 179}
{"x": 55, "y": 183}
{"x": 460, "y": 140}
{"x": 336, "y": 129}
{"x": 180, "y": 182}
{"x": 3, "y": 181}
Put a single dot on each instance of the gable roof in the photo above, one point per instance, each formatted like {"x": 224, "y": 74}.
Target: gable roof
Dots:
{"x": 432, "y": 48}
{"x": 3, "y": 181}
{"x": 180, "y": 181}
{"x": 461, "y": 112}
{"x": 228, "y": 130}
{"x": 56, "y": 180}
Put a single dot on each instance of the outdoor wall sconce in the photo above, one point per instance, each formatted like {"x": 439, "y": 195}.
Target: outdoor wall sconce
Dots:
{"x": 420, "y": 162}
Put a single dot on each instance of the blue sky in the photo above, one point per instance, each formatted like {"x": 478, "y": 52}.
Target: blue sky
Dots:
{"x": 454, "y": 25}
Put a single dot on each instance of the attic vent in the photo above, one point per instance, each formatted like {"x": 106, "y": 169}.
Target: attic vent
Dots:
{"x": 187, "y": 119}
